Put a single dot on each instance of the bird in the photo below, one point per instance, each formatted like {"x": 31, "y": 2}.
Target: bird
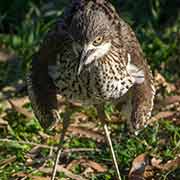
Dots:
{"x": 92, "y": 56}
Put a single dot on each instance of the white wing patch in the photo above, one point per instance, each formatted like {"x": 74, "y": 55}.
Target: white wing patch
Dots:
{"x": 53, "y": 71}
{"x": 135, "y": 72}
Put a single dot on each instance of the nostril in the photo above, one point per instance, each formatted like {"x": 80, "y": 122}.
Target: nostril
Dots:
{"x": 90, "y": 52}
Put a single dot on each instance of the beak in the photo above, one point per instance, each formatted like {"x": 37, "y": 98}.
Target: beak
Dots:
{"x": 85, "y": 59}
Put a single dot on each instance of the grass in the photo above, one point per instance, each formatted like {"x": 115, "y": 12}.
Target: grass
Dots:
{"x": 157, "y": 27}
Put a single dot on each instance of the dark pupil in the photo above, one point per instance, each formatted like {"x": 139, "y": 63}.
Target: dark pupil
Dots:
{"x": 99, "y": 39}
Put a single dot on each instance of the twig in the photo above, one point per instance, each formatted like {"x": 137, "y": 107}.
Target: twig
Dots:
{"x": 25, "y": 176}
{"x": 112, "y": 150}
{"x": 103, "y": 115}
{"x": 7, "y": 161}
{"x": 27, "y": 143}
{"x": 66, "y": 122}
{"x": 49, "y": 147}
{"x": 3, "y": 123}
{"x": 62, "y": 169}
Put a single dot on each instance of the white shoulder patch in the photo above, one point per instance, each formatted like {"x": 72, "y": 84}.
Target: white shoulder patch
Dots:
{"x": 135, "y": 72}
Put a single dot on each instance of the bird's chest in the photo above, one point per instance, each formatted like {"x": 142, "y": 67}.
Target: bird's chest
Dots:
{"x": 111, "y": 82}
{"x": 95, "y": 84}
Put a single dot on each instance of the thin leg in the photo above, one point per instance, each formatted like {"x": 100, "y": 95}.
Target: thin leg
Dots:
{"x": 107, "y": 133}
{"x": 60, "y": 146}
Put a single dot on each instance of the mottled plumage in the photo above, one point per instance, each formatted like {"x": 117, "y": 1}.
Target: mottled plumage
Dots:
{"x": 71, "y": 63}
{"x": 91, "y": 56}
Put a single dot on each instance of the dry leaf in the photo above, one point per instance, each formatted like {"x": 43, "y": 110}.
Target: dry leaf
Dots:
{"x": 39, "y": 178}
{"x": 96, "y": 166}
{"x": 161, "y": 115}
{"x": 160, "y": 81}
{"x": 16, "y": 101}
{"x": 168, "y": 101}
{"x": 149, "y": 172}
{"x": 138, "y": 167}
{"x": 6, "y": 55}
{"x": 21, "y": 174}
{"x": 171, "y": 100}
{"x": 87, "y": 163}
{"x": 155, "y": 162}
{"x": 170, "y": 165}
{"x": 80, "y": 116}
{"x": 20, "y": 101}
{"x": 21, "y": 110}
{"x": 85, "y": 132}
{"x": 88, "y": 172}
{"x": 64, "y": 170}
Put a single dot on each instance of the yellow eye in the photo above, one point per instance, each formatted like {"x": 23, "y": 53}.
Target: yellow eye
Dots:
{"x": 98, "y": 41}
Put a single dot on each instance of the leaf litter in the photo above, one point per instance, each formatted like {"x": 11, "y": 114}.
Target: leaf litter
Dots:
{"x": 142, "y": 167}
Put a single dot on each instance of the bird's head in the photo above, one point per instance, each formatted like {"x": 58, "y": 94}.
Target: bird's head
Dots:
{"x": 92, "y": 28}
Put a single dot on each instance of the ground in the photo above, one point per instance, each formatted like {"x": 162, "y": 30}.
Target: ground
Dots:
{"x": 26, "y": 149}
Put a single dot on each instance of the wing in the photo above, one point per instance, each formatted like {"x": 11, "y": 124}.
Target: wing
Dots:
{"x": 41, "y": 89}
{"x": 142, "y": 94}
